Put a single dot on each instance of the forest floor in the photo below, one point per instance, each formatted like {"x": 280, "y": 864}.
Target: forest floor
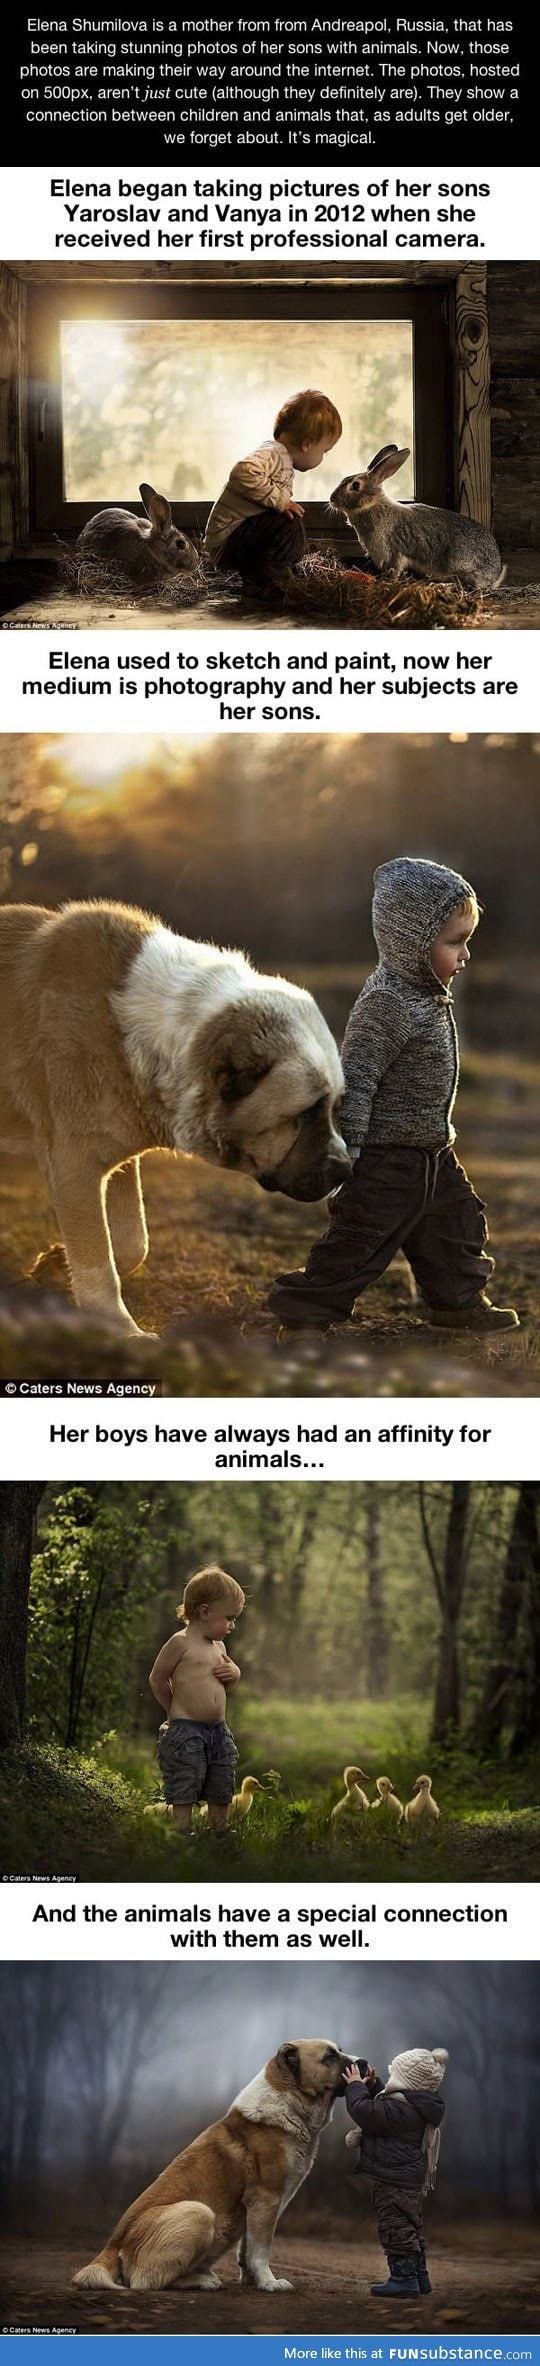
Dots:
{"x": 61, "y": 1814}
{"x": 495, "y": 2288}
{"x": 216, "y": 1243}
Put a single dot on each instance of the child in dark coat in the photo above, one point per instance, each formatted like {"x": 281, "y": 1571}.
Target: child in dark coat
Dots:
{"x": 398, "y": 2130}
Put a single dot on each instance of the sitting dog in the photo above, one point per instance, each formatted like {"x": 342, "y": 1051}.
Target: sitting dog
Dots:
{"x": 232, "y": 2184}
{"x": 121, "y": 1037}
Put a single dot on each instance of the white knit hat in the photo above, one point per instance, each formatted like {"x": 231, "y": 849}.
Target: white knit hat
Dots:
{"x": 417, "y": 2069}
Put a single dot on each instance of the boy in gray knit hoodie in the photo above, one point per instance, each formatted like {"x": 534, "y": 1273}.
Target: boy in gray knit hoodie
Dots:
{"x": 400, "y": 1055}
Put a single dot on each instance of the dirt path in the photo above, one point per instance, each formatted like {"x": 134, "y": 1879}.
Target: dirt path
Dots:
{"x": 215, "y": 1245}
{"x": 493, "y": 2290}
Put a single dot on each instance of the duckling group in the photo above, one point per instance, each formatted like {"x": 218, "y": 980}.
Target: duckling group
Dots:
{"x": 420, "y": 1812}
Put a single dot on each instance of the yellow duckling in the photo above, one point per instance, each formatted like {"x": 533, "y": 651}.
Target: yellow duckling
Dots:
{"x": 242, "y": 1800}
{"x": 422, "y": 1808}
{"x": 354, "y": 1801}
{"x": 388, "y": 1798}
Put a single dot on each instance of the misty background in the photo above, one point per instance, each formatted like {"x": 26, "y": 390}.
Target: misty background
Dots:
{"x": 109, "y": 2069}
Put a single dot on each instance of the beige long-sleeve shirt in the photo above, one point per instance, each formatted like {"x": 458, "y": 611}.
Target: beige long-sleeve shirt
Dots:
{"x": 263, "y": 481}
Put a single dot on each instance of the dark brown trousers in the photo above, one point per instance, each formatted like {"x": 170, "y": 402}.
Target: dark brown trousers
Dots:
{"x": 420, "y": 1201}
{"x": 263, "y": 547}
{"x": 399, "y": 2215}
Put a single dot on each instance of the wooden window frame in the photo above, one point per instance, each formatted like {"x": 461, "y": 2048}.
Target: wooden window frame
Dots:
{"x": 427, "y": 307}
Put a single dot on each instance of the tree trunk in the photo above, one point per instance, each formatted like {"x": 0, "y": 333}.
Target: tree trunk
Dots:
{"x": 449, "y": 1575}
{"x": 527, "y": 1720}
{"x": 18, "y": 1506}
{"x": 376, "y": 1660}
{"x": 521, "y": 1568}
{"x": 446, "y": 1706}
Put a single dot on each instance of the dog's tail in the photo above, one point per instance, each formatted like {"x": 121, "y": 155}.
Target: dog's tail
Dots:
{"x": 103, "y": 2270}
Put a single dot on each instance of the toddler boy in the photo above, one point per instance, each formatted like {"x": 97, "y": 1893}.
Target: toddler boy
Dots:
{"x": 256, "y": 526}
{"x": 398, "y": 2129}
{"x": 191, "y": 1677}
{"x": 400, "y": 1058}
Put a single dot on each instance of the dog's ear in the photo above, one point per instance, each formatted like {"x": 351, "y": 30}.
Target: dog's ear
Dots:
{"x": 238, "y": 1078}
{"x": 289, "y": 2059}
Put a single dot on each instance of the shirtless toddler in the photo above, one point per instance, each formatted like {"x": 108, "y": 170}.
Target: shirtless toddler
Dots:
{"x": 191, "y": 1677}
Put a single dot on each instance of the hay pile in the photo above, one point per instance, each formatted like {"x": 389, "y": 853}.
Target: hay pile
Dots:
{"x": 90, "y": 579}
{"x": 321, "y": 589}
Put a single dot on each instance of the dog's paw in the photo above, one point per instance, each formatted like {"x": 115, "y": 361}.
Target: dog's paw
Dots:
{"x": 208, "y": 2282}
{"x": 272, "y": 2283}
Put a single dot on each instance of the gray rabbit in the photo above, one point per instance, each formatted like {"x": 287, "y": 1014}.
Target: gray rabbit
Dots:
{"x": 139, "y": 549}
{"x": 436, "y": 544}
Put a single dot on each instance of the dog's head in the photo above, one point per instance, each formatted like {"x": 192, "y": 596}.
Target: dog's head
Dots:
{"x": 313, "y": 2066}
{"x": 271, "y": 1090}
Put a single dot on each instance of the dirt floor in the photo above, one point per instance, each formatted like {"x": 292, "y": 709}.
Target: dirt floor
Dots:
{"x": 494, "y": 2289}
{"x": 215, "y": 1245}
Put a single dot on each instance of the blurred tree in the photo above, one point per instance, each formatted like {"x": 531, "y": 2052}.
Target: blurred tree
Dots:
{"x": 449, "y": 1569}
{"x": 18, "y": 1506}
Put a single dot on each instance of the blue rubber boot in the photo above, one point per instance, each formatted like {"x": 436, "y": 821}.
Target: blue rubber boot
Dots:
{"x": 422, "y": 2271}
{"x": 403, "y": 2279}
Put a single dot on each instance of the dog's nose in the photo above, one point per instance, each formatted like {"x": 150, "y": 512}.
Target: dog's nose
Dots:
{"x": 337, "y": 1166}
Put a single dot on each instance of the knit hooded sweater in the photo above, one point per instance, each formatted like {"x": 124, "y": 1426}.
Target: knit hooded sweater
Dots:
{"x": 400, "y": 1051}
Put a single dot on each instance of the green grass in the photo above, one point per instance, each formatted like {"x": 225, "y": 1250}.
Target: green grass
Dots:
{"x": 60, "y": 1814}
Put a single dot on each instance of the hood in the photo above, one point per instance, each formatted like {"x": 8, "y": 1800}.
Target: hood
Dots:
{"x": 431, "y": 2107}
{"x": 411, "y": 901}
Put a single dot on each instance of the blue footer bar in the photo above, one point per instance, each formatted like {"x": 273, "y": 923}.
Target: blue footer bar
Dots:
{"x": 299, "y": 2349}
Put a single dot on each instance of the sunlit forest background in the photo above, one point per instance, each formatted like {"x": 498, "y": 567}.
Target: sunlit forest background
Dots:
{"x": 388, "y": 1626}
{"x": 270, "y": 842}
{"x": 179, "y": 402}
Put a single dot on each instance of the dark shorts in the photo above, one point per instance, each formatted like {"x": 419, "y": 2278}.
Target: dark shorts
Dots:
{"x": 197, "y": 1762}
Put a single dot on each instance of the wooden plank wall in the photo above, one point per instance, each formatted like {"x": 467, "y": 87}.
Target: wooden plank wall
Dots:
{"x": 514, "y": 334}
{"x": 471, "y": 403}
{"x": 14, "y": 506}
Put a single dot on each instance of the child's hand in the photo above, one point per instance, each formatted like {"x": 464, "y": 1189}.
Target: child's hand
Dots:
{"x": 354, "y": 2075}
{"x": 294, "y": 509}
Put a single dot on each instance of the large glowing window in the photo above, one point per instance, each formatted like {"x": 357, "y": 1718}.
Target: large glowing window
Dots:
{"x": 178, "y": 401}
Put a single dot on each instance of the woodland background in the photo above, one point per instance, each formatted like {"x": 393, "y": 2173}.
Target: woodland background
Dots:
{"x": 391, "y": 1626}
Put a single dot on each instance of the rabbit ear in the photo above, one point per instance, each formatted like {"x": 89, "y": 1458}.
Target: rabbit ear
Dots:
{"x": 388, "y": 461}
{"x": 382, "y": 455}
{"x": 157, "y": 508}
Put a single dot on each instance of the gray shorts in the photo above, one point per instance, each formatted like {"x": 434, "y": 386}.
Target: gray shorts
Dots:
{"x": 197, "y": 1762}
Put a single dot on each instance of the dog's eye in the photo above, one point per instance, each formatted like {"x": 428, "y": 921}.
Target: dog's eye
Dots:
{"x": 330, "y": 2055}
{"x": 312, "y": 1110}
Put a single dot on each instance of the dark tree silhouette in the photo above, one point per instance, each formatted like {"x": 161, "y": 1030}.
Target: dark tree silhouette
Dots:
{"x": 376, "y": 1623}
{"x": 512, "y": 1684}
{"x": 449, "y": 1570}
{"x": 19, "y": 1501}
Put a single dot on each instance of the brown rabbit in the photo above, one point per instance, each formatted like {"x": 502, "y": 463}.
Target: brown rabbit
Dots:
{"x": 139, "y": 549}
{"x": 411, "y": 536}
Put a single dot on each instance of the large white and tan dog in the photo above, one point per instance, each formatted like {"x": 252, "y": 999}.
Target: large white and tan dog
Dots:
{"x": 121, "y": 1037}
{"x": 232, "y": 2184}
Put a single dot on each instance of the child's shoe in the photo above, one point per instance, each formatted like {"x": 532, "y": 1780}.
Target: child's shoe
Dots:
{"x": 422, "y": 2271}
{"x": 478, "y": 1316}
{"x": 403, "y": 2281}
